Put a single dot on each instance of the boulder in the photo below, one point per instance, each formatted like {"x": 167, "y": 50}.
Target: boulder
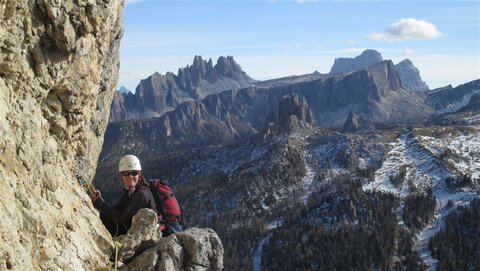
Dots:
{"x": 143, "y": 247}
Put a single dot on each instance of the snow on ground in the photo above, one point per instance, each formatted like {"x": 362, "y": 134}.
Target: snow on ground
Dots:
{"x": 467, "y": 147}
{"x": 391, "y": 167}
{"x": 257, "y": 253}
{"x": 457, "y": 105}
{"x": 307, "y": 181}
{"x": 421, "y": 167}
{"x": 441, "y": 212}
{"x": 325, "y": 152}
{"x": 273, "y": 224}
{"x": 399, "y": 214}
{"x": 420, "y": 157}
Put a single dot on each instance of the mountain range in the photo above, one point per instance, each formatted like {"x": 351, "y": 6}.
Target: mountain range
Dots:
{"x": 158, "y": 94}
{"x": 364, "y": 167}
{"x": 377, "y": 94}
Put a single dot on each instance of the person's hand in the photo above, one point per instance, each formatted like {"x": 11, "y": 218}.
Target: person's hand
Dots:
{"x": 95, "y": 194}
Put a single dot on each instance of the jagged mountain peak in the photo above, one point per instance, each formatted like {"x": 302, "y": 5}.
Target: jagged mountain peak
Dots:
{"x": 410, "y": 76}
{"x": 228, "y": 66}
{"x": 159, "y": 94}
{"x": 293, "y": 116}
{"x": 123, "y": 89}
{"x": 370, "y": 53}
{"x": 364, "y": 60}
{"x": 225, "y": 66}
{"x": 406, "y": 62}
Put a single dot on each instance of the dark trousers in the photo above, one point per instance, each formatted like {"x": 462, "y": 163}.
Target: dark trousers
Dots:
{"x": 114, "y": 228}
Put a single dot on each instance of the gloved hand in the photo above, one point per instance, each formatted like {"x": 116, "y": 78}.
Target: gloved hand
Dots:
{"x": 95, "y": 194}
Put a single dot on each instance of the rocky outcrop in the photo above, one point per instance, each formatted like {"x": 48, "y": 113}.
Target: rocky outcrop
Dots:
{"x": 159, "y": 94}
{"x": 467, "y": 115}
{"x": 58, "y": 69}
{"x": 365, "y": 60}
{"x": 142, "y": 248}
{"x": 293, "y": 115}
{"x": 449, "y": 99}
{"x": 354, "y": 124}
{"x": 410, "y": 76}
{"x": 473, "y": 105}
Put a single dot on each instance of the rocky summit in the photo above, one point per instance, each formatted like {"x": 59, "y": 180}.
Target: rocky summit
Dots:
{"x": 408, "y": 73}
{"x": 58, "y": 69}
{"x": 158, "y": 94}
{"x": 364, "y": 60}
{"x": 410, "y": 76}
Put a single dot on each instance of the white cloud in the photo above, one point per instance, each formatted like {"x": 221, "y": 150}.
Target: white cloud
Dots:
{"x": 407, "y": 29}
{"x": 407, "y": 53}
{"x": 350, "y": 42}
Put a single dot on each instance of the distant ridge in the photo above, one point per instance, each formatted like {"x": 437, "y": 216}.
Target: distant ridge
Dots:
{"x": 158, "y": 94}
{"x": 123, "y": 89}
{"x": 408, "y": 73}
{"x": 410, "y": 76}
{"x": 365, "y": 60}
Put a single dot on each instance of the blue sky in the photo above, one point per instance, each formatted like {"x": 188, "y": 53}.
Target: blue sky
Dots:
{"x": 275, "y": 38}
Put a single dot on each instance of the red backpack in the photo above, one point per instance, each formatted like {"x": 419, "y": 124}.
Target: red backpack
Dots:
{"x": 168, "y": 208}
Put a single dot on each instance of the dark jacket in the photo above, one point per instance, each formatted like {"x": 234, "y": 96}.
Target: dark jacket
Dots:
{"x": 128, "y": 205}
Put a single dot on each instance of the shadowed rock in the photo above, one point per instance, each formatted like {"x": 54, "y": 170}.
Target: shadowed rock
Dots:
{"x": 410, "y": 76}
{"x": 142, "y": 248}
{"x": 159, "y": 94}
{"x": 366, "y": 59}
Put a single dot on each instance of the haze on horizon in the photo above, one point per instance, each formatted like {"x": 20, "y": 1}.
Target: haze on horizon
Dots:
{"x": 273, "y": 38}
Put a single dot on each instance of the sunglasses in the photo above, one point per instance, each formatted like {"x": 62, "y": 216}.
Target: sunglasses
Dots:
{"x": 130, "y": 173}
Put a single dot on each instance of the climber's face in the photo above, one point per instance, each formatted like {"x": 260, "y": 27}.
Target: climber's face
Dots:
{"x": 130, "y": 178}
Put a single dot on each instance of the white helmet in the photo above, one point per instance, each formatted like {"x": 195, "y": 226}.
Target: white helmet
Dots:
{"x": 129, "y": 162}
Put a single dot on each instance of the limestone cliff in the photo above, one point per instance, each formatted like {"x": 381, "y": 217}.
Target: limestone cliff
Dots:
{"x": 58, "y": 69}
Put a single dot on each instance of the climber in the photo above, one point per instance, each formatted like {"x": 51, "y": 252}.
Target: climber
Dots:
{"x": 118, "y": 219}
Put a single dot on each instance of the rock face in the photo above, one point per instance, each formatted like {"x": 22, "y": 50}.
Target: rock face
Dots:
{"x": 159, "y": 94}
{"x": 142, "y": 248}
{"x": 58, "y": 68}
{"x": 375, "y": 94}
{"x": 410, "y": 76}
{"x": 354, "y": 124}
{"x": 407, "y": 72}
{"x": 473, "y": 105}
{"x": 365, "y": 60}
{"x": 123, "y": 89}
{"x": 449, "y": 100}
{"x": 293, "y": 115}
